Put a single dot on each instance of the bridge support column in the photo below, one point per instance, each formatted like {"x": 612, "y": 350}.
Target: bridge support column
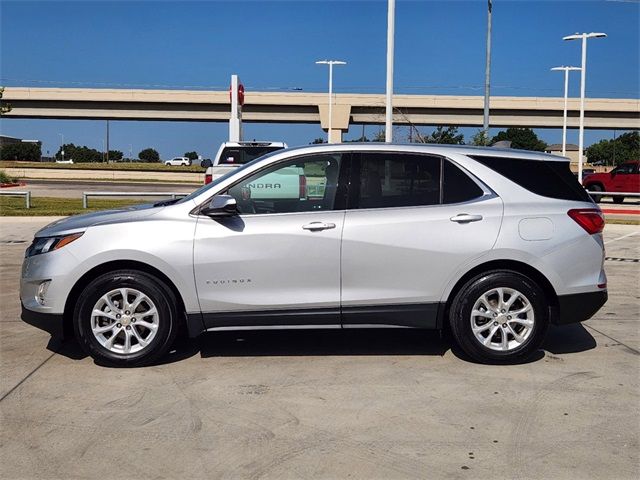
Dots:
{"x": 339, "y": 123}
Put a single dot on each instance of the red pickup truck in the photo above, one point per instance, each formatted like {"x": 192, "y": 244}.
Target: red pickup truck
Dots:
{"x": 624, "y": 178}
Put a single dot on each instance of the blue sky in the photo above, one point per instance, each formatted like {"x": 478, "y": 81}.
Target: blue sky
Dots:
{"x": 273, "y": 45}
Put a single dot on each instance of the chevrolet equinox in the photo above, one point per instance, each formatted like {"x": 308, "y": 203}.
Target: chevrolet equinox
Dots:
{"x": 493, "y": 244}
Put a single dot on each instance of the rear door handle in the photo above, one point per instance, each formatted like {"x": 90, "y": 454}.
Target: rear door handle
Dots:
{"x": 466, "y": 218}
{"x": 315, "y": 226}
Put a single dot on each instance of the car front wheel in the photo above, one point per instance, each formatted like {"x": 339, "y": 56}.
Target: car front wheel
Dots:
{"x": 499, "y": 317}
{"x": 126, "y": 318}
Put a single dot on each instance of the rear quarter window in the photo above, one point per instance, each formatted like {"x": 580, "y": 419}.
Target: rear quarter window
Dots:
{"x": 551, "y": 179}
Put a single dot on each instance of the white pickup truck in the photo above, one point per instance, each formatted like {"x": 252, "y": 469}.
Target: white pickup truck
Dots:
{"x": 231, "y": 155}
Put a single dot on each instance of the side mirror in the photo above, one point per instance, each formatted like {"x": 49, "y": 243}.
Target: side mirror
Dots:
{"x": 221, "y": 206}
{"x": 206, "y": 163}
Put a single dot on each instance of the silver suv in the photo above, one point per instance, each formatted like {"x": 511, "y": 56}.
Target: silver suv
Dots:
{"x": 495, "y": 244}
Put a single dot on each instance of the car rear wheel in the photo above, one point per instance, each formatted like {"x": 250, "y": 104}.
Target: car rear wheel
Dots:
{"x": 499, "y": 317}
{"x": 595, "y": 188}
{"x": 618, "y": 199}
{"x": 126, "y": 318}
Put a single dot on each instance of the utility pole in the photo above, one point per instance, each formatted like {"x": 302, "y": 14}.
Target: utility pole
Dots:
{"x": 583, "y": 75}
{"x": 107, "y": 152}
{"x": 331, "y": 63}
{"x": 566, "y": 71}
{"x": 487, "y": 75}
{"x": 391, "y": 14}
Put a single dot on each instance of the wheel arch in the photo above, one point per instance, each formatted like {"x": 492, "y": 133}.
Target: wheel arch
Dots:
{"x": 106, "y": 267}
{"x": 512, "y": 265}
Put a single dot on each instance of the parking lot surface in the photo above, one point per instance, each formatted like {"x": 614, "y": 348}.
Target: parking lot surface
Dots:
{"x": 326, "y": 404}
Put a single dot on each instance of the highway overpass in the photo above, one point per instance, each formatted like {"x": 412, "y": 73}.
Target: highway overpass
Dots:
{"x": 303, "y": 107}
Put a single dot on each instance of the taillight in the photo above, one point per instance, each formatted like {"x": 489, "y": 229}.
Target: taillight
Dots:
{"x": 303, "y": 186}
{"x": 208, "y": 178}
{"x": 590, "y": 219}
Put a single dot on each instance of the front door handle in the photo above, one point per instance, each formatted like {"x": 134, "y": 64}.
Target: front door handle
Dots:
{"x": 315, "y": 226}
{"x": 466, "y": 218}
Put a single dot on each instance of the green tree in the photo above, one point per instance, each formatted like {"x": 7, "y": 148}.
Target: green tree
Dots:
{"x": 446, "y": 135}
{"x": 379, "y": 136}
{"x": 25, "y": 151}
{"x": 521, "y": 139}
{"x": 361, "y": 139}
{"x": 78, "y": 154}
{"x": 480, "y": 139}
{"x": 149, "y": 155}
{"x": 318, "y": 141}
{"x": 4, "y": 106}
{"x": 613, "y": 152}
{"x": 191, "y": 155}
{"x": 115, "y": 155}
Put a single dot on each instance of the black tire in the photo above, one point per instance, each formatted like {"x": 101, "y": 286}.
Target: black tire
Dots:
{"x": 595, "y": 188}
{"x": 462, "y": 306}
{"x": 618, "y": 199}
{"x": 155, "y": 290}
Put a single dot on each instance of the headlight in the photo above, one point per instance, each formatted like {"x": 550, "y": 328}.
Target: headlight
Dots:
{"x": 48, "y": 244}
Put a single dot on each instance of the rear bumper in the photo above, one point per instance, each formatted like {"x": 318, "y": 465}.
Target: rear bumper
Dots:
{"x": 51, "y": 323}
{"x": 578, "y": 307}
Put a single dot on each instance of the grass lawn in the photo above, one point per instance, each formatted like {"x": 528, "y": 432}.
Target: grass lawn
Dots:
{"x": 131, "y": 166}
{"x": 14, "y": 206}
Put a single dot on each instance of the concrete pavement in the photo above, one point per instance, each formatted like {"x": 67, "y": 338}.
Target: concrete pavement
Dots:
{"x": 333, "y": 404}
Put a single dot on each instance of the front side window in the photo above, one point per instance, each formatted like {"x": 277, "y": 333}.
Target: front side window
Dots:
{"x": 306, "y": 184}
{"x": 388, "y": 180}
{"x": 625, "y": 168}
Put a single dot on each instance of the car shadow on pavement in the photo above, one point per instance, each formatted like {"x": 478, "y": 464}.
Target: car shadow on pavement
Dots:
{"x": 571, "y": 338}
{"x": 322, "y": 342}
{"x": 340, "y": 342}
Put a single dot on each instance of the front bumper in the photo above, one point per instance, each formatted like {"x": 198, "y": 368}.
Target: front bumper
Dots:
{"x": 578, "y": 307}
{"x": 49, "y": 322}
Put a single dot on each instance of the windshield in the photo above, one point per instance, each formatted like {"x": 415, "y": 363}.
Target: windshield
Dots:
{"x": 222, "y": 178}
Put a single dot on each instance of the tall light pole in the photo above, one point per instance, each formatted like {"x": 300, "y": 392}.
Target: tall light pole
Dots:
{"x": 107, "y": 152}
{"x": 62, "y": 146}
{"x": 583, "y": 74}
{"x": 391, "y": 15}
{"x": 566, "y": 100}
{"x": 487, "y": 75}
{"x": 331, "y": 63}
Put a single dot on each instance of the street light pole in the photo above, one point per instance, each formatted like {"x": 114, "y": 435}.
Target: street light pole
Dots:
{"x": 331, "y": 63}
{"x": 487, "y": 75}
{"x": 566, "y": 100}
{"x": 583, "y": 75}
{"x": 391, "y": 15}
{"x": 107, "y": 141}
{"x": 62, "y": 146}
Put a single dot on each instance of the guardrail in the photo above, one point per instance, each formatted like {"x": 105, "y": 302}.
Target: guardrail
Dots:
{"x": 26, "y": 195}
{"x": 86, "y": 195}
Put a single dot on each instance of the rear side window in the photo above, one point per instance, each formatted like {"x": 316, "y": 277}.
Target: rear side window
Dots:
{"x": 398, "y": 180}
{"x": 457, "y": 187}
{"x": 242, "y": 155}
{"x": 552, "y": 179}
{"x": 388, "y": 180}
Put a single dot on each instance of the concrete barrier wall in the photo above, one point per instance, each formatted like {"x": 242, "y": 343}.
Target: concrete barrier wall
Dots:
{"x": 109, "y": 175}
